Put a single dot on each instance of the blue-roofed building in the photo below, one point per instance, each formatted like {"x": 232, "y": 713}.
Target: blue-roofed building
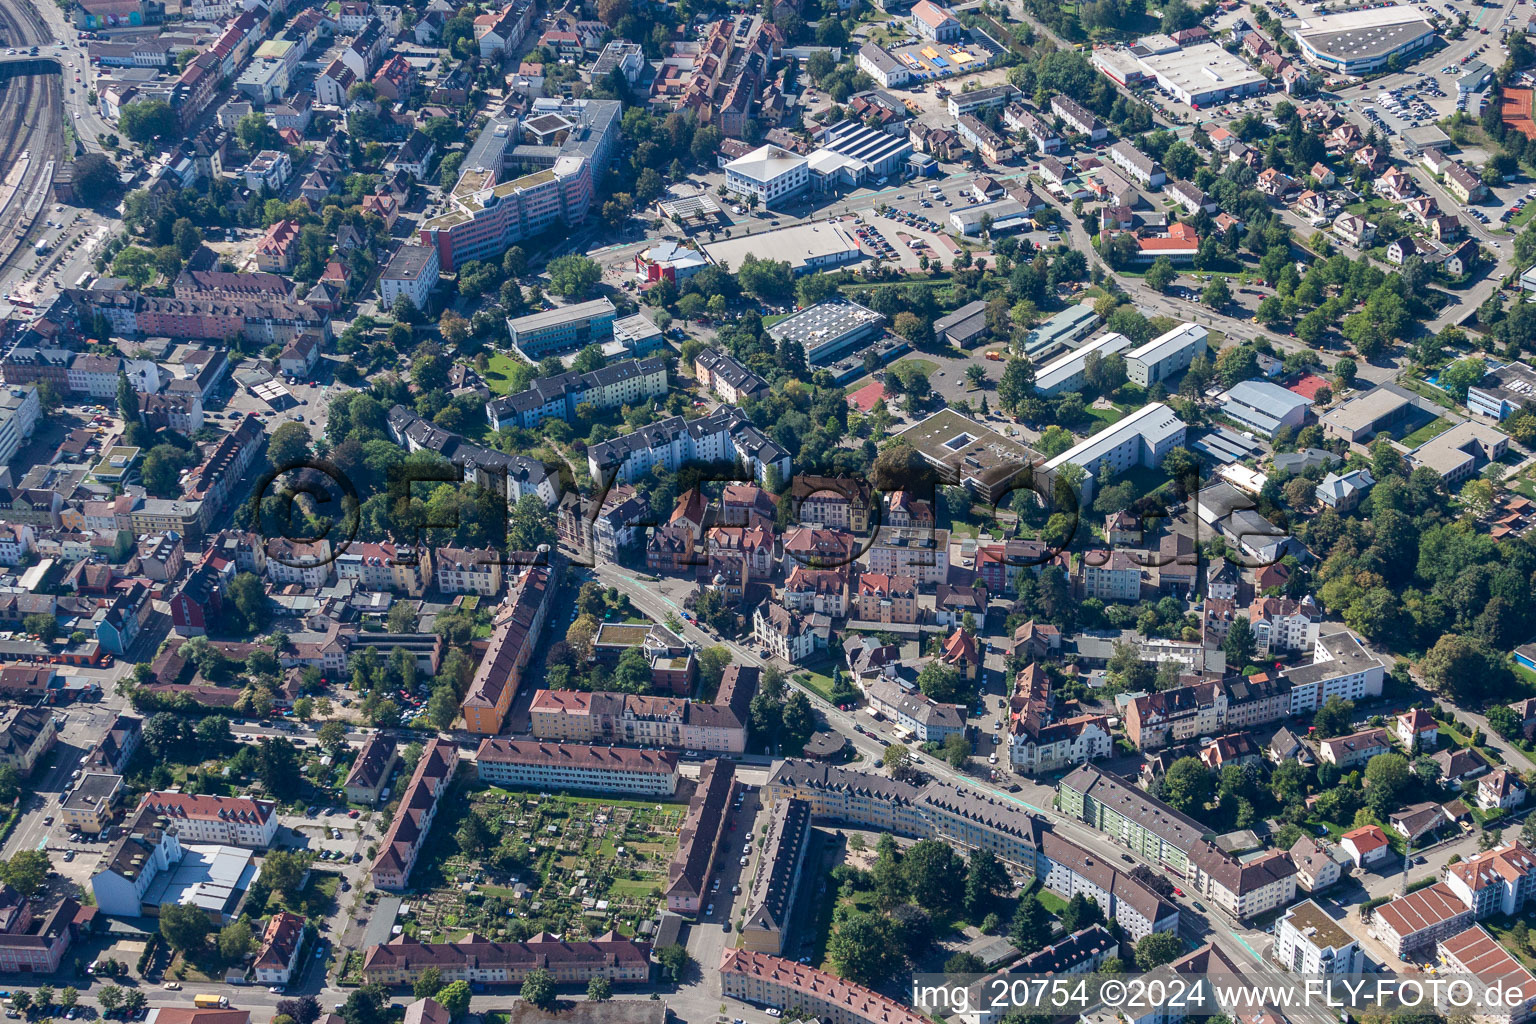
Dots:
{"x": 1265, "y": 408}
{"x": 1061, "y": 330}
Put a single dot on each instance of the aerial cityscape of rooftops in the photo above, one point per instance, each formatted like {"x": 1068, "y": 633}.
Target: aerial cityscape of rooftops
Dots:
{"x": 623, "y": 512}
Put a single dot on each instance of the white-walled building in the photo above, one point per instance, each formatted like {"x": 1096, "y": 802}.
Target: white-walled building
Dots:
{"x": 771, "y": 173}
{"x": 1308, "y": 941}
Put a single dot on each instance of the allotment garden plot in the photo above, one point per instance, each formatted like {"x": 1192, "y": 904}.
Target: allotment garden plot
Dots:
{"x": 572, "y": 866}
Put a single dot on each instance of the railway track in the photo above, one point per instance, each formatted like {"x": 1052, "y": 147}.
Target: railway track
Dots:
{"x": 31, "y": 122}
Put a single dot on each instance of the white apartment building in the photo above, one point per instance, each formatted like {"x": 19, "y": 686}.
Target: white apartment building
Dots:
{"x": 1141, "y": 439}
{"x": 1340, "y": 667}
{"x": 558, "y": 767}
{"x": 1308, "y": 941}
{"x": 1244, "y": 889}
{"x": 1165, "y": 355}
{"x": 227, "y": 820}
{"x": 725, "y": 435}
{"x": 19, "y": 410}
{"x": 1499, "y": 881}
{"x": 413, "y": 272}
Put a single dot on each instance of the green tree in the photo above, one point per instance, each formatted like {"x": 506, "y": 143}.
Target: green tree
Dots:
{"x": 454, "y": 998}
{"x": 1157, "y": 949}
{"x": 985, "y": 880}
{"x": 184, "y": 926}
{"x": 863, "y": 950}
{"x": 1160, "y": 274}
{"x": 1216, "y": 294}
{"x": 1017, "y": 383}
{"x": 1335, "y": 718}
{"x": 1187, "y": 786}
{"x": 134, "y": 264}
{"x": 1031, "y": 926}
{"x": 1239, "y": 643}
{"x": 146, "y": 120}
{"x": 599, "y": 989}
{"x": 27, "y": 872}
{"x": 539, "y": 988}
{"x": 236, "y": 940}
{"x": 288, "y": 445}
{"x": 573, "y": 276}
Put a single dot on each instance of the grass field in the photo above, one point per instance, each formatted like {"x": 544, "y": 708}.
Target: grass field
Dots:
{"x": 1434, "y": 428}
{"x": 496, "y": 375}
{"x": 927, "y": 366}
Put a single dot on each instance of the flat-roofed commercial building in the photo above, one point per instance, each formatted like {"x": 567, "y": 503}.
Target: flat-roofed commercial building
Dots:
{"x": 91, "y": 805}
{"x": 412, "y": 271}
{"x": 1362, "y": 418}
{"x": 805, "y": 247}
{"x": 565, "y": 327}
{"x": 1461, "y": 451}
{"x": 1165, "y": 355}
{"x": 968, "y": 454}
{"x": 558, "y": 767}
{"x": 829, "y": 328}
{"x": 1503, "y": 392}
{"x": 1265, "y": 408}
{"x": 1074, "y": 322}
{"x": 1364, "y": 40}
{"x": 1141, "y": 439}
{"x": 1203, "y": 75}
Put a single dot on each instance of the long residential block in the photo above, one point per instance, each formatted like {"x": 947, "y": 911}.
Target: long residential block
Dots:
{"x": 558, "y": 767}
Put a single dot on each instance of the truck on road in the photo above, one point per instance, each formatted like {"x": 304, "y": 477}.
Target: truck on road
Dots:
{"x": 209, "y": 1001}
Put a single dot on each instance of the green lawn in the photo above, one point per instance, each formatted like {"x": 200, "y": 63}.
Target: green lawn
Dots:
{"x": 1430, "y": 392}
{"x": 769, "y": 321}
{"x": 926, "y": 366}
{"x": 1434, "y": 428}
{"x": 1108, "y": 417}
{"x": 1520, "y": 219}
{"x": 497, "y": 374}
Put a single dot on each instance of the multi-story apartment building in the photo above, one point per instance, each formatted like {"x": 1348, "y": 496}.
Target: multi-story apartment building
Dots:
{"x": 725, "y": 435}
{"x": 1173, "y": 716}
{"x": 1244, "y": 889}
{"x": 927, "y": 720}
{"x": 1500, "y": 881}
{"x": 834, "y": 502}
{"x": 1416, "y": 921}
{"x": 1069, "y": 870}
{"x": 515, "y": 634}
{"x": 402, "y": 961}
{"x": 915, "y": 552}
{"x": 726, "y": 377}
{"x": 1355, "y": 749}
{"x": 960, "y": 816}
{"x": 26, "y": 735}
{"x": 92, "y": 804}
{"x": 397, "y": 568}
{"x": 369, "y": 778}
{"x": 1141, "y": 439}
{"x": 558, "y": 767}
{"x": 1147, "y": 825}
{"x": 770, "y": 901}
{"x": 1308, "y": 941}
{"x": 635, "y": 720}
{"x": 629, "y": 382}
{"x": 1341, "y": 667}
{"x": 823, "y": 591}
{"x": 37, "y": 947}
{"x": 888, "y": 599}
{"x": 19, "y": 410}
{"x": 702, "y": 836}
{"x": 279, "y": 952}
{"x": 1039, "y": 742}
{"x": 1113, "y": 575}
{"x": 230, "y": 820}
{"x": 467, "y": 571}
{"x": 789, "y": 635}
{"x": 771, "y": 981}
{"x": 413, "y": 820}
{"x": 1281, "y": 625}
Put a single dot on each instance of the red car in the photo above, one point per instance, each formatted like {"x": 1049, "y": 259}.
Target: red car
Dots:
{"x": 1177, "y": 891}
